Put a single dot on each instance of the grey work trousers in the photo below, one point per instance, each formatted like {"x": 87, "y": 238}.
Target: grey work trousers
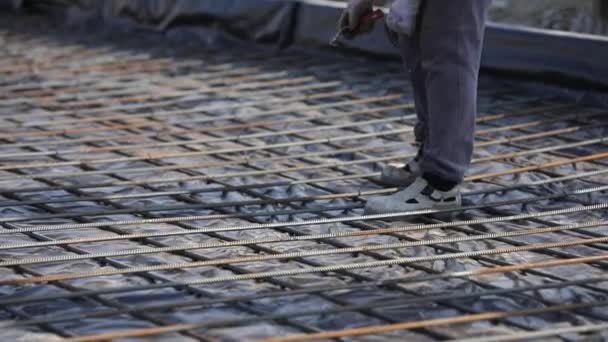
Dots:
{"x": 443, "y": 60}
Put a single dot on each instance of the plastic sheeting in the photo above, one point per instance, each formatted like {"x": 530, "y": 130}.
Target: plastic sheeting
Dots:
{"x": 559, "y": 56}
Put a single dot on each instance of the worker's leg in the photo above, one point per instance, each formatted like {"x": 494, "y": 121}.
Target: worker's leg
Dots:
{"x": 451, "y": 37}
{"x": 411, "y": 59}
{"x": 400, "y": 175}
{"x": 450, "y": 42}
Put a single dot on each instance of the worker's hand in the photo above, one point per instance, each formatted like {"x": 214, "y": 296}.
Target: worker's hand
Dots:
{"x": 350, "y": 22}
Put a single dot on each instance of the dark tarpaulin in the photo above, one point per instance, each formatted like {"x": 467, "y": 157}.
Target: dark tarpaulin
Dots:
{"x": 576, "y": 59}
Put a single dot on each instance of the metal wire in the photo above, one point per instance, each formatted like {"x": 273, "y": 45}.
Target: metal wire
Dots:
{"x": 351, "y": 332}
{"x": 292, "y": 224}
{"x": 321, "y": 269}
{"x": 255, "y": 258}
{"x": 166, "y": 208}
{"x": 394, "y": 327}
{"x": 238, "y": 138}
{"x": 482, "y": 119}
{"x": 197, "y": 109}
{"x": 191, "y": 96}
{"x": 291, "y": 183}
{"x": 223, "y": 139}
{"x": 243, "y": 137}
{"x": 128, "y": 102}
{"x": 302, "y": 109}
{"x": 403, "y": 280}
{"x": 306, "y": 222}
{"x": 206, "y": 152}
{"x": 528, "y": 336}
{"x": 430, "y": 297}
{"x": 305, "y": 168}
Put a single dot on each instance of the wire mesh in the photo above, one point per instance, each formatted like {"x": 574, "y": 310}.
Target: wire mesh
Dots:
{"x": 150, "y": 188}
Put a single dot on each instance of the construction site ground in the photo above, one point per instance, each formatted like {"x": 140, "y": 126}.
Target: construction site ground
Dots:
{"x": 161, "y": 188}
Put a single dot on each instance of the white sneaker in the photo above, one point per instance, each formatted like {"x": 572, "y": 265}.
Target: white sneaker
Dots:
{"x": 400, "y": 175}
{"x": 419, "y": 195}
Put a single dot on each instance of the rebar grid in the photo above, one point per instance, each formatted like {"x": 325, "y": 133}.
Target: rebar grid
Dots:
{"x": 239, "y": 177}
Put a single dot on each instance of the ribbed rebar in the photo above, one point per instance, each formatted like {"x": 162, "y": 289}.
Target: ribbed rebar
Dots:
{"x": 169, "y": 192}
{"x": 357, "y": 331}
{"x": 45, "y": 260}
{"x": 240, "y": 137}
{"x": 394, "y": 327}
{"x": 593, "y": 157}
{"x": 431, "y": 297}
{"x": 18, "y": 229}
{"x": 320, "y": 269}
{"x": 544, "y": 333}
{"x": 129, "y": 130}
